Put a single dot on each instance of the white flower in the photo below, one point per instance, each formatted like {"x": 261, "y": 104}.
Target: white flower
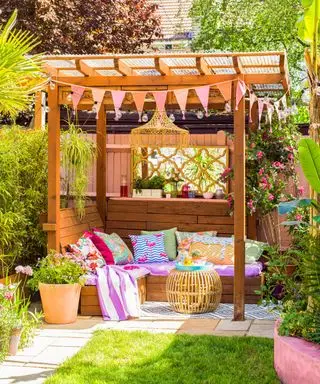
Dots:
{"x": 20, "y": 269}
{"x": 28, "y": 270}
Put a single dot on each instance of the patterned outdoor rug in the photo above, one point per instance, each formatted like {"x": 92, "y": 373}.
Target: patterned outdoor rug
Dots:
{"x": 161, "y": 310}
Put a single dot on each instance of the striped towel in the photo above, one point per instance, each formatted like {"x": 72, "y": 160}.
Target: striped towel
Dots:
{"x": 118, "y": 293}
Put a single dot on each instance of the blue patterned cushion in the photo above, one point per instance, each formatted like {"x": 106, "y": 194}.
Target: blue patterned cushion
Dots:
{"x": 149, "y": 248}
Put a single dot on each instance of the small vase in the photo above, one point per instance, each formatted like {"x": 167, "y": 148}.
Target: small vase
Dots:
{"x": 14, "y": 341}
{"x": 219, "y": 194}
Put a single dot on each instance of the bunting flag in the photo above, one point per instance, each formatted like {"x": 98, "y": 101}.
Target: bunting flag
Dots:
{"x": 138, "y": 98}
{"x": 241, "y": 91}
{"x": 98, "y": 95}
{"x": 277, "y": 108}
{"x": 160, "y": 99}
{"x": 203, "y": 95}
{"x": 270, "y": 110}
{"x": 182, "y": 97}
{"x": 252, "y": 99}
{"x": 225, "y": 90}
{"x": 260, "y": 110}
{"x": 284, "y": 101}
{"x": 76, "y": 94}
{"x": 117, "y": 97}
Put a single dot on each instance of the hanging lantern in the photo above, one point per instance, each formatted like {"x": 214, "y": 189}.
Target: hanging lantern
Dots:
{"x": 160, "y": 131}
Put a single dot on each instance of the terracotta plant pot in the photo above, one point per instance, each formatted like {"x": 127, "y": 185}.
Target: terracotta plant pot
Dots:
{"x": 14, "y": 341}
{"x": 60, "y": 302}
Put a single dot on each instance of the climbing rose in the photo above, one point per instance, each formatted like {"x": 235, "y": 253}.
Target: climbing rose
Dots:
{"x": 298, "y": 217}
{"x": 271, "y": 197}
{"x": 251, "y": 206}
{"x": 260, "y": 155}
{"x": 261, "y": 171}
{"x": 278, "y": 165}
{"x": 301, "y": 190}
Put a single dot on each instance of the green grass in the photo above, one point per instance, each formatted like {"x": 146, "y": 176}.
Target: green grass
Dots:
{"x": 116, "y": 357}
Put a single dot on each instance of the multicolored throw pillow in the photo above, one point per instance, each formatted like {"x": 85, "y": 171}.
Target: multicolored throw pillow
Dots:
{"x": 217, "y": 250}
{"x": 101, "y": 246}
{"x": 120, "y": 252}
{"x": 149, "y": 248}
{"x": 186, "y": 238}
{"x": 89, "y": 252}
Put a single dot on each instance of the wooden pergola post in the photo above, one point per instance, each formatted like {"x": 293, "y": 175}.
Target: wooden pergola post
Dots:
{"x": 239, "y": 209}
{"x": 101, "y": 187}
{"x": 53, "y": 224}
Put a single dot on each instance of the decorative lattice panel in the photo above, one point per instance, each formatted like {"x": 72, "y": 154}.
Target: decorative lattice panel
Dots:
{"x": 200, "y": 167}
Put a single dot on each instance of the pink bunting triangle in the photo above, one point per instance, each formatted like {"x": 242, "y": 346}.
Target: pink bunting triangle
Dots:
{"x": 225, "y": 90}
{"x": 240, "y": 92}
{"x": 182, "y": 97}
{"x": 203, "y": 95}
{"x": 138, "y": 98}
{"x": 117, "y": 97}
{"x": 252, "y": 99}
{"x": 260, "y": 109}
{"x": 160, "y": 98}
{"x": 98, "y": 95}
{"x": 76, "y": 94}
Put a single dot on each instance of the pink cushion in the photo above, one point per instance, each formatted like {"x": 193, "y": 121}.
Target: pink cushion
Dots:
{"x": 101, "y": 246}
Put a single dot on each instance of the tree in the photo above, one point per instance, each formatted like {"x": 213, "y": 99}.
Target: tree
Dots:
{"x": 250, "y": 25}
{"x": 91, "y": 26}
{"x": 19, "y": 74}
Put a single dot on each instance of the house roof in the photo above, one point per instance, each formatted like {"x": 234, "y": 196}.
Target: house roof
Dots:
{"x": 175, "y": 20}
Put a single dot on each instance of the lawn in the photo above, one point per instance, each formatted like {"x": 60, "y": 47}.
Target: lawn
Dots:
{"x": 143, "y": 358}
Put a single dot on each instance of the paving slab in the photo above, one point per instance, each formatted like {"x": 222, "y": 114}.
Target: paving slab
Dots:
{"x": 205, "y": 325}
{"x": 32, "y": 375}
{"x": 230, "y": 325}
{"x": 263, "y": 330}
{"x": 228, "y": 333}
{"x": 54, "y": 355}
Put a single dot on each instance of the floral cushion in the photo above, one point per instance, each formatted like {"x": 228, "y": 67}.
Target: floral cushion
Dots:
{"x": 120, "y": 252}
{"x": 186, "y": 238}
{"x": 220, "y": 250}
{"x": 149, "y": 248}
{"x": 101, "y": 246}
{"x": 89, "y": 252}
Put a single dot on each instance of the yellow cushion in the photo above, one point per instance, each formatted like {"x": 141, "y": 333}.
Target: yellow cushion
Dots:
{"x": 222, "y": 254}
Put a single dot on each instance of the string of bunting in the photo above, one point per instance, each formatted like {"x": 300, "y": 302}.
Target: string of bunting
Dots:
{"x": 181, "y": 95}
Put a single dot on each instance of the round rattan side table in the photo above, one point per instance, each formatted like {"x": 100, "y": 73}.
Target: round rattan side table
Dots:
{"x": 194, "y": 291}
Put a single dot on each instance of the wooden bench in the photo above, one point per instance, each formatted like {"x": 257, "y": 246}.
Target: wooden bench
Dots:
{"x": 151, "y": 288}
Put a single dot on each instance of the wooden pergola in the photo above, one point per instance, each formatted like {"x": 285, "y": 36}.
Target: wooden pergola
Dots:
{"x": 264, "y": 73}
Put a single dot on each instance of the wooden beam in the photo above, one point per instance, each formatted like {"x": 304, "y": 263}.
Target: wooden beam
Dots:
{"x": 162, "y": 67}
{"x": 239, "y": 210}
{"x": 123, "y": 68}
{"x": 38, "y": 122}
{"x": 284, "y": 71}
{"x": 236, "y": 65}
{"x": 203, "y": 67}
{"x": 178, "y": 80}
{"x": 54, "y": 169}
{"x": 101, "y": 174}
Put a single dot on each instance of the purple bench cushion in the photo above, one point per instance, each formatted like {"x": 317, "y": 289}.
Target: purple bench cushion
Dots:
{"x": 163, "y": 269}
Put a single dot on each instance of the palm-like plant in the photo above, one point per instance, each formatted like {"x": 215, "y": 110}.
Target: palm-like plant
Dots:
{"x": 20, "y": 73}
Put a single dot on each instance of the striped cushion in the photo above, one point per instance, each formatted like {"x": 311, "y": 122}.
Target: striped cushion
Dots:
{"x": 149, "y": 248}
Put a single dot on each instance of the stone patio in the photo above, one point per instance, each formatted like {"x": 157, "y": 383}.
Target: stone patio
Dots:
{"x": 55, "y": 343}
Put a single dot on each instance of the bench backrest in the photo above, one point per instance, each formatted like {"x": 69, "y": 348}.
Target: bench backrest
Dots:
{"x": 72, "y": 227}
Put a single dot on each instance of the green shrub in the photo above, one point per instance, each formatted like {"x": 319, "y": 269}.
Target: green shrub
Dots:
{"x": 23, "y": 195}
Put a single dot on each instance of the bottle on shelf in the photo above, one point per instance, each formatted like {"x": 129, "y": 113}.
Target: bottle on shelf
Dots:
{"x": 124, "y": 186}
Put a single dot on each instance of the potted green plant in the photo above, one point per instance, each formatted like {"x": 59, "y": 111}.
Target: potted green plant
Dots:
{"x": 149, "y": 188}
{"x": 17, "y": 323}
{"x": 59, "y": 279}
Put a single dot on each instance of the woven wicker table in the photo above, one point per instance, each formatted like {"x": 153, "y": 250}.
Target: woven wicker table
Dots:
{"x": 194, "y": 292}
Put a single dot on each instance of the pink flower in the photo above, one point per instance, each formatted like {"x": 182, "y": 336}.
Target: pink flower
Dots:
{"x": 271, "y": 197}
{"x": 8, "y": 295}
{"x": 290, "y": 156}
{"x": 251, "y": 206}
{"x": 298, "y": 217}
{"x": 28, "y": 270}
{"x": 230, "y": 201}
{"x": 261, "y": 171}
{"x": 278, "y": 165}
{"x": 19, "y": 269}
{"x": 260, "y": 155}
{"x": 300, "y": 190}
{"x": 289, "y": 149}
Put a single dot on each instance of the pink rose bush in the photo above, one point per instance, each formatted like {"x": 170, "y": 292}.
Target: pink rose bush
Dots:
{"x": 269, "y": 165}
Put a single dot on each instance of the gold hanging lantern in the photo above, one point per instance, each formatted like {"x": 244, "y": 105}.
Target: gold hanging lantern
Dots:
{"x": 161, "y": 132}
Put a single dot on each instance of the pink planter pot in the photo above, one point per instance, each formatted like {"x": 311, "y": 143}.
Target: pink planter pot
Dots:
{"x": 296, "y": 361}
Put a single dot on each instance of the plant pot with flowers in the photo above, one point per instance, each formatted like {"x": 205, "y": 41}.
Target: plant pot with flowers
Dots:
{"x": 59, "y": 279}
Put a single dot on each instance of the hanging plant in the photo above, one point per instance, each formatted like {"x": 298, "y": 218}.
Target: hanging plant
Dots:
{"x": 78, "y": 153}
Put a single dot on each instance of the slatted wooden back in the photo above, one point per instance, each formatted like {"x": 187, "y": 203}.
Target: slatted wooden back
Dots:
{"x": 72, "y": 227}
